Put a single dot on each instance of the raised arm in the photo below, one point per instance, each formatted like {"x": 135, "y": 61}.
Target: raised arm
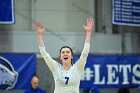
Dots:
{"x": 88, "y": 28}
{"x": 40, "y": 31}
{"x": 49, "y": 61}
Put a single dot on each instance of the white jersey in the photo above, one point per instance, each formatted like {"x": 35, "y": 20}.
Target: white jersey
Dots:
{"x": 66, "y": 81}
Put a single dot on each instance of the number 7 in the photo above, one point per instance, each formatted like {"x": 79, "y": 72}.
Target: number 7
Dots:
{"x": 67, "y": 79}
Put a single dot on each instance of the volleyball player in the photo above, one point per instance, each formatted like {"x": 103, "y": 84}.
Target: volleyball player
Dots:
{"x": 67, "y": 75}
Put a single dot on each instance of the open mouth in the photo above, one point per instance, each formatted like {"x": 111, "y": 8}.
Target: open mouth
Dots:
{"x": 65, "y": 58}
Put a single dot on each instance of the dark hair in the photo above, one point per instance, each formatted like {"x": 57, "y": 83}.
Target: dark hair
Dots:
{"x": 70, "y": 50}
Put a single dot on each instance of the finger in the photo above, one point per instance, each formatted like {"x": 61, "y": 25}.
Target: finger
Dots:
{"x": 40, "y": 25}
{"x": 91, "y": 20}
{"x": 37, "y": 24}
{"x": 84, "y": 26}
{"x": 88, "y": 21}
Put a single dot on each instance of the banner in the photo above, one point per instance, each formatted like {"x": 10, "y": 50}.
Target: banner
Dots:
{"x": 16, "y": 70}
{"x": 6, "y": 12}
{"x": 126, "y": 12}
{"x": 111, "y": 71}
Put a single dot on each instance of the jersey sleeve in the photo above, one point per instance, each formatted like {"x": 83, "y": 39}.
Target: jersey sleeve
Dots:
{"x": 52, "y": 64}
{"x": 82, "y": 60}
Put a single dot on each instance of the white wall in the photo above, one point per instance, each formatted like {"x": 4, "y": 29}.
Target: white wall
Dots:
{"x": 63, "y": 15}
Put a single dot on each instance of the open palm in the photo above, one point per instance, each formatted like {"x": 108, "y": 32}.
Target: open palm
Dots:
{"x": 39, "y": 27}
{"x": 89, "y": 25}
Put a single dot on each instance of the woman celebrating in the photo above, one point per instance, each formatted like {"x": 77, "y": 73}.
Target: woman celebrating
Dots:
{"x": 67, "y": 75}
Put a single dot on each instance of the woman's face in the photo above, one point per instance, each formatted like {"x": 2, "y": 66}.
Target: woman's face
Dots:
{"x": 66, "y": 56}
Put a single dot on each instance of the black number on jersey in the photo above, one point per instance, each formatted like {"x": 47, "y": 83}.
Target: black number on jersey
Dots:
{"x": 67, "y": 80}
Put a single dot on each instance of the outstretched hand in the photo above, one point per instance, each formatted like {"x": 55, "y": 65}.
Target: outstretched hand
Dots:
{"x": 89, "y": 25}
{"x": 39, "y": 27}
